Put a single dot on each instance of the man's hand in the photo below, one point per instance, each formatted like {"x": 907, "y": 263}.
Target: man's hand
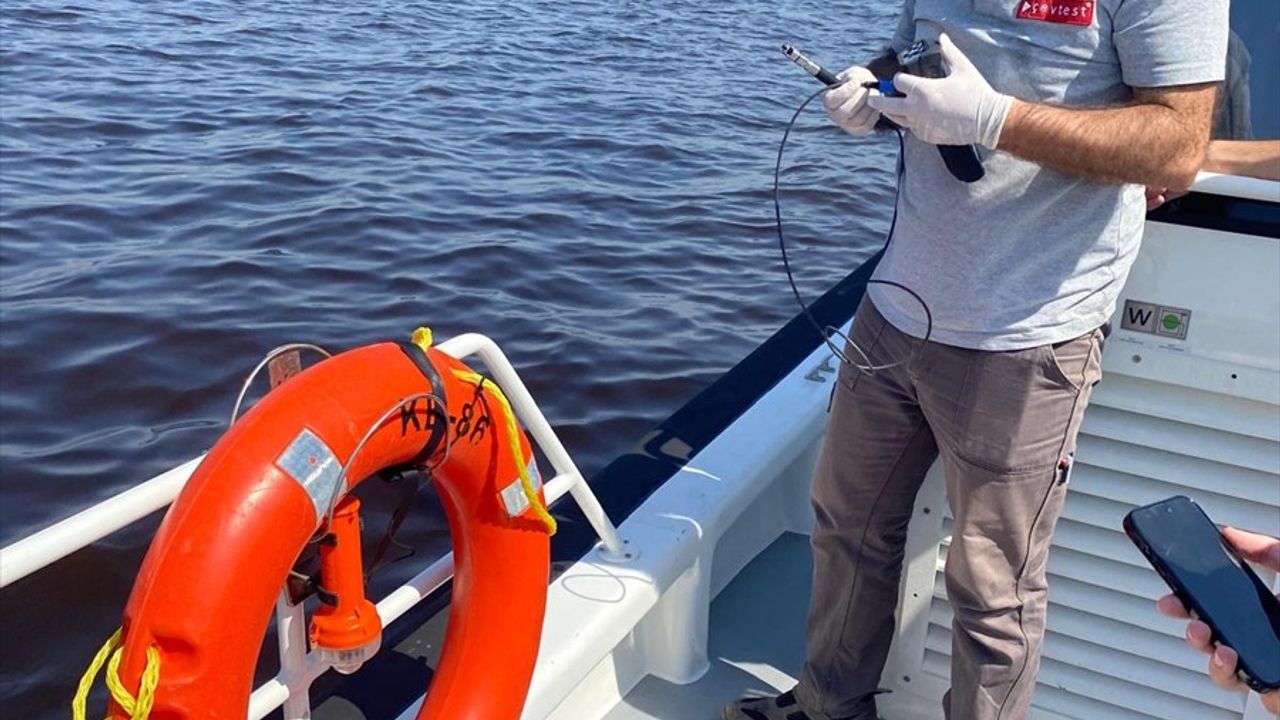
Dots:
{"x": 959, "y": 109}
{"x": 847, "y": 104}
{"x": 1157, "y": 196}
{"x": 1255, "y": 548}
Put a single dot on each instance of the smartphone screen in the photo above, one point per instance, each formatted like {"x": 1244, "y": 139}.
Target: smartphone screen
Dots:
{"x": 1189, "y": 552}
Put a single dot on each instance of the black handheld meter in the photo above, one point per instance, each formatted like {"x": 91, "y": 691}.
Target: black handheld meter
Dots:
{"x": 924, "y": 59}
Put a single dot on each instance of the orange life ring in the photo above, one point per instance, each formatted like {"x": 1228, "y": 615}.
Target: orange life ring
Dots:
{"x": 206, "y": 589}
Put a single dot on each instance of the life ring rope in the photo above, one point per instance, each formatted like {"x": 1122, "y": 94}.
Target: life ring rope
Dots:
{"x": 138, "y": 708}
{"x": 513, "y": 434}
{"x": 422, "y": 337}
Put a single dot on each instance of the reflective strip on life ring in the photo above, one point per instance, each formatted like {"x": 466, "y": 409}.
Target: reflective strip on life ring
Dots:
{"x": 209, "y": 582}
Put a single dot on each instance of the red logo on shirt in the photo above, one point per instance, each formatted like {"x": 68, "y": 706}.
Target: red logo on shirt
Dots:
{"x": 1067, "y": 12}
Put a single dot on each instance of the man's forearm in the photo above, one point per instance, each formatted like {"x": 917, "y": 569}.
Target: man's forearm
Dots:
{"x": 1147, "y": 143}
{"x": 1254, "y": 158}
{"x": 1158, "y": 138}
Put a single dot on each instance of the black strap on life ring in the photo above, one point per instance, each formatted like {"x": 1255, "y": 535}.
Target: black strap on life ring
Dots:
{"x": 439, "y": 428}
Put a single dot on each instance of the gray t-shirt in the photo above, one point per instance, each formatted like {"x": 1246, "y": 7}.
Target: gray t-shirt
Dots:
{"x": 1028, "y": 255}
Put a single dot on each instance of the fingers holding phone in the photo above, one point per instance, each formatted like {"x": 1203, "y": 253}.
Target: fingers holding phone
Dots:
{"x": 1224, "y": 662}
{"x": 1261, "y": 549}
{"x": 1224, "y": 669}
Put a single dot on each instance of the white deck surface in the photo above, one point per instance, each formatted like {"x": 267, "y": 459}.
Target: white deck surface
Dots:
{"x": 757, "y": 643}
{"x": 757, "y": 640}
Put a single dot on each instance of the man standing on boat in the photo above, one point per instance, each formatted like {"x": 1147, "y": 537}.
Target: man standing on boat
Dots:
{"x": 1075, "y": 106}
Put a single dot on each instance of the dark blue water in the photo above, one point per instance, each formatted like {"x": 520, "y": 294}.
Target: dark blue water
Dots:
{"x": 186, "y": 185}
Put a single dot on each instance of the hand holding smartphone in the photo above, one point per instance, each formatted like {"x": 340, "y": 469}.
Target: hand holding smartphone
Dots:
{"x": 1216, "y": 587}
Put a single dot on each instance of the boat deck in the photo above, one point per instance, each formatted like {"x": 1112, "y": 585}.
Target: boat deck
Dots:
{"x": 756, "y": 643}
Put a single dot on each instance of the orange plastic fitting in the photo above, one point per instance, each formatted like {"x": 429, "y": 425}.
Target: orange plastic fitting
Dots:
{"x": 345, "y": 630}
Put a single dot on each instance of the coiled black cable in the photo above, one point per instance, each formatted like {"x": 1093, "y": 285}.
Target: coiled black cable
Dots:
{"x": 828, "y": 331}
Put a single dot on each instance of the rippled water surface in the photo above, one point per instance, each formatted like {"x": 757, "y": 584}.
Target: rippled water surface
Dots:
{"x": 185, "y": 185}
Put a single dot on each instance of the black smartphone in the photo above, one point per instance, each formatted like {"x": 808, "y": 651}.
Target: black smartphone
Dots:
{"x": 1216, "y": 586}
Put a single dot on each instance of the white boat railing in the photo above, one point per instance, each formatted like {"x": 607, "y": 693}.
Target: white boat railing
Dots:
{"x": 290, "y": 689}
{"x": 1237, "y": 186}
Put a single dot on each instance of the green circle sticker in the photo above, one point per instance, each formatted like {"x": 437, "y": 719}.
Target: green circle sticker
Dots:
{"x": 1171, "y": 322}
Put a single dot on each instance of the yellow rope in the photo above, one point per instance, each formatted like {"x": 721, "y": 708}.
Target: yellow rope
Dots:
{"x": 138, "y": 708}
{"x": 86, "y": 681}
{"x": 422, "y": 338}
{"x": 513, "y": 433}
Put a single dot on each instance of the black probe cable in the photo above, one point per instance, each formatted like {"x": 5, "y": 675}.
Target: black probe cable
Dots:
{"x": 827, "y": 331}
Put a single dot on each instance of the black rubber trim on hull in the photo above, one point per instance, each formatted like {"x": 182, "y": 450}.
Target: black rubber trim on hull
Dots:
{"x": 1219, "y": 212}
{"x": 629, "y": 480}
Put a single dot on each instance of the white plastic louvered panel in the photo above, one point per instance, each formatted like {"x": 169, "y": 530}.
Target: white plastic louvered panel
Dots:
{"x": 1107, "y": 653}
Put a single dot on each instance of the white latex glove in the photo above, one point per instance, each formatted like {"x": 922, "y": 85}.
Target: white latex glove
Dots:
{"x": 956, "y": 110}
{"x": 847, "y": 104}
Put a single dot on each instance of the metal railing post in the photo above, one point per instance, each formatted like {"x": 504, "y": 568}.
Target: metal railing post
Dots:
{"x": 535, "y": 422}
{"x": 291, "y": 624}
